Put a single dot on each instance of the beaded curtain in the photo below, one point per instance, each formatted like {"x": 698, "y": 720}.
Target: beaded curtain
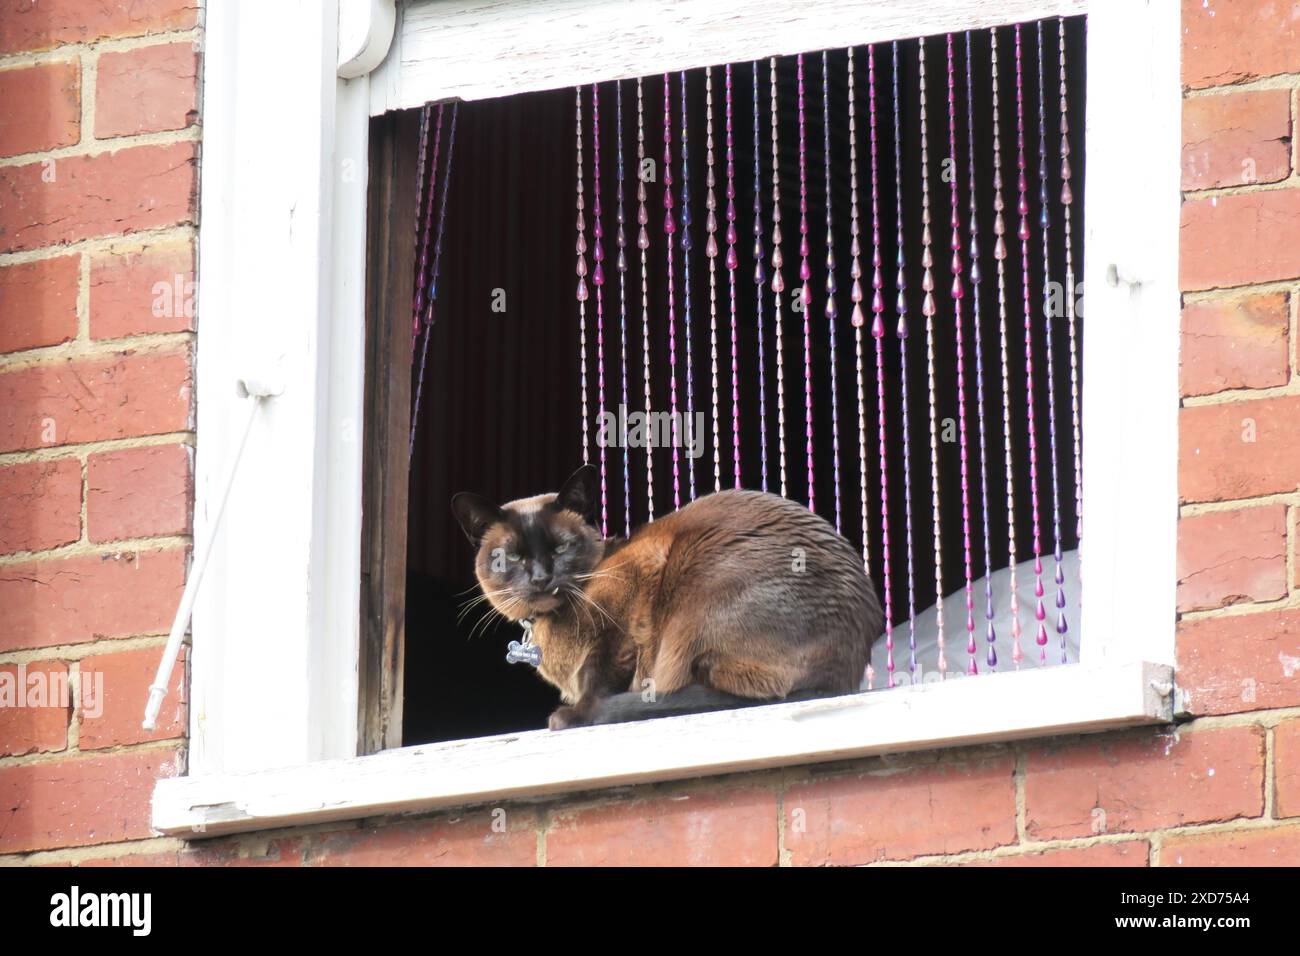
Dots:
{"x": 857, "y": 269}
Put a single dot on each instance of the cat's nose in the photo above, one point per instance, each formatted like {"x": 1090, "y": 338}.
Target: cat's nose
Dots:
{"x": 541, "y": 576}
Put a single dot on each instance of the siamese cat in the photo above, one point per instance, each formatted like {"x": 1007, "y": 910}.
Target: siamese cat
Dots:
{"x": 738, "y": 598}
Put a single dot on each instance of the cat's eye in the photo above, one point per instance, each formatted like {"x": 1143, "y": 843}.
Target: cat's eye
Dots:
{"x": 562, "y": 547}
{"x": 512, "y": 556}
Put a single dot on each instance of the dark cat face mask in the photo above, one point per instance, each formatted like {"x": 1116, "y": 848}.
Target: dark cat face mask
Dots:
{"x": 534, "y": 554}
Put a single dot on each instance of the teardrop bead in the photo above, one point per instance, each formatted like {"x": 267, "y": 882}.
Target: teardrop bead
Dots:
{"x": 857, "y": 318}
{"x": 732, "y": 261}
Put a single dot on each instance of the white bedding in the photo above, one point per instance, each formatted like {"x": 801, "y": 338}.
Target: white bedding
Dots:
{"x": 954, "y": 626}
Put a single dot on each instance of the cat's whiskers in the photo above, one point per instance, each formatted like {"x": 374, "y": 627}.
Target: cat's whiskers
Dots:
{"x": 583, "y": 595}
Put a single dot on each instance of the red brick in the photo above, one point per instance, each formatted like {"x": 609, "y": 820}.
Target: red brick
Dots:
{"x": 138, "y": 492}
{"x": 1128, "y": 853}
{"x": 1275, "y": 846}
{"x": 1240, "y": 239}
{"x": 1234, "y": 139}
{"x": 1116, "y": 785}
{"x": 129, "y": 859}
{"x": 1286, "y": 769}
{"x": 81, "y": 801}
{"x": 39, "y": 303}
{"x": 142, "y": 292}
{"x": 946, "y": 808}
{"x": 242, "y": 852}
{"x": 146, "y": 90}
{"x": 1229, "y": 557}
{"x": 108, "y": 194}
{"x": 74, "y": 600}
{"x": 1238, "y": 449}
{"x": 1240, "y": 662}
{"x": 42, "y": 107}
{"x": 1241, "y": 343}
{"x": 40, "y": 725}
{"x": 479, "y": 838}
{"x": 27, "y": 25}
{"x": 727, "y": 828}
{"x": 123, "y": 680}
{"x": 121, "y": 396}
{"x": 40, "y": 505}
{"x": 1228, "y": 41}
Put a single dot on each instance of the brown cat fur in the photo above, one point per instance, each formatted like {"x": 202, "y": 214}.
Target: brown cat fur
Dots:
{"x": 743, "y": 592}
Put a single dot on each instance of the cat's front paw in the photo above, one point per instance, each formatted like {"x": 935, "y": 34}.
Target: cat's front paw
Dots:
{"x": 565, "y": 717}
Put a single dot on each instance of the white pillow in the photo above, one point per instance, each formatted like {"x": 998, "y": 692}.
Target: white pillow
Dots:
{"x": 955, "y": 634}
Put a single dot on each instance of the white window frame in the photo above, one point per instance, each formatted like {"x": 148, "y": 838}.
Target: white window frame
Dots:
{"x": 288, "y": 95}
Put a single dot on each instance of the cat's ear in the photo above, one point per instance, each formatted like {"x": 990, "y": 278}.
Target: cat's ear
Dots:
{"x": 476, "y": 514}
{"x": 579, "y": 493}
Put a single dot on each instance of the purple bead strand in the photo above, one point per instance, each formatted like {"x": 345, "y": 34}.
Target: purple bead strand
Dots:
{"x": 990, "y": 635}
{"x": 433, "y": 278}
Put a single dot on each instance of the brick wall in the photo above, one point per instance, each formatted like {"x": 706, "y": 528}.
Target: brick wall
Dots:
{"x": 111, "y": 493}
{"x": 98, "y": 141}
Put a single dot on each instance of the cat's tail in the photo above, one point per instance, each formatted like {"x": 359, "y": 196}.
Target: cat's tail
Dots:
{"x": 692, "y": 699}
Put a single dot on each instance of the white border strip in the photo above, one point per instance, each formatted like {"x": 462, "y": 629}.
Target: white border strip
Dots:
{"x": 957, "y": 712}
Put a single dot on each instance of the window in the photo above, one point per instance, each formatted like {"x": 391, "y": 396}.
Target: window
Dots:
{"x": 283, "y": 255}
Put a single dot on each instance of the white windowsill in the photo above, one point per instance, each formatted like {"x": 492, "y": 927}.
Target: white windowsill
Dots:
{"x": 996, "y": 707}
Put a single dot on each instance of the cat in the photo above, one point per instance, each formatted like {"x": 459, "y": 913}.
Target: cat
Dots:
{"x": 739, "y": 597}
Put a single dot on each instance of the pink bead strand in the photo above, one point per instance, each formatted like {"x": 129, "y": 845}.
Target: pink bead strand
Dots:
{"x": 878, "y": 333}
{"x": 831, "y": 310}
{"x": 929, "y": 309}
{"x": 1067, "y": 204}
{"x": 1040, "y": 612}
{"x": 857, "y": 318}
{"x": 805, "y": 290}
{"x": 733, "y": 262}
{"x": 670, "y": 228}
{"x": 1000, "y": 255}
{"x": 582, "y": 276}
{"x": 778, "y": 283}
{"x": 1062, "y": 626}
{"x": 685, "y": 241}
{"x": 598, "y": 281}
{"x": 643, "y": 244}
{"x": 760, "y": 282}
{"x": 990, "y": 635}
{"x": 621, "y": 218}
{"x": 711, "y": 253}
{"x": 900, "y": 307}
{"x": 958, "y": 297}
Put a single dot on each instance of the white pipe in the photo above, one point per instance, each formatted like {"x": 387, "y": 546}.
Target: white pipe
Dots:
{"x": 258, "y": 391}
